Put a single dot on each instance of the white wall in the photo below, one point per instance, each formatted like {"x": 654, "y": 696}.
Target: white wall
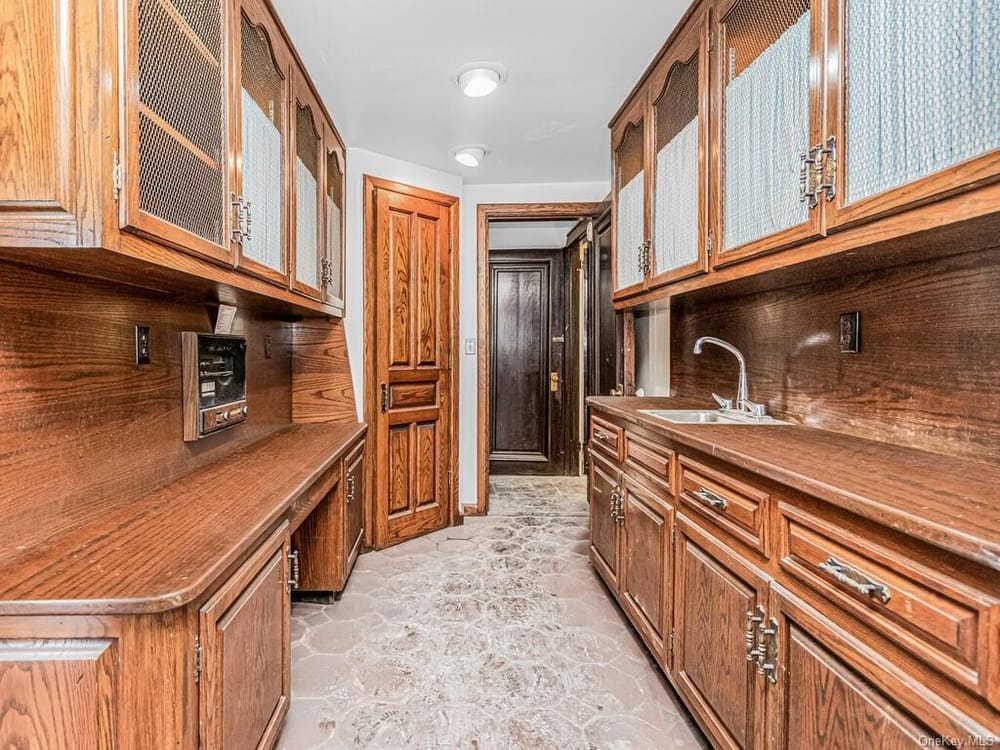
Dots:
{"x": 468, "y": 371}
{"x": 361, "y": 162}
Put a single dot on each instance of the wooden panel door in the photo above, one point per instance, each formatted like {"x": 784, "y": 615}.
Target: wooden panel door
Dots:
{"x": 715, "y": 593}
{"x": 307, "y": 236}
{"x": 244, "y": 689}
{"x": 412, "y": 297}
{"x": 354, "y": 507}
{"x": 261, "y": 123}
{"x": 527, "y": 362}
{"x": 630, "y": 200}
{"x": 679, "y": 162}
{"x": 829, "y": 695}
{"x": 646, "y": 571}
{"x": 911, "y": 118}
{"x": 768, "y": 105}
{"x": 604, "y": 527}
{"x": 604, "y": 324}
{"x": 50, "y": 139}
{"x": 177, "y": 129}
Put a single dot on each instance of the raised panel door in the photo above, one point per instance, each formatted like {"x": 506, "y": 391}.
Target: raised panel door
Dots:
{"x": 768, "y": 113}
{"x": 308, "y": 240}
{"x": 646, "y": 570}
{"x": 715, "y": 592}
{"x": 679, "y": 120}
{"x": 261, "y": 102}
{"x": 914, "y": 103}
{"x": 604, "y": 528}
{"x": 176, "y": 136}
{"x": 244, "y": 690}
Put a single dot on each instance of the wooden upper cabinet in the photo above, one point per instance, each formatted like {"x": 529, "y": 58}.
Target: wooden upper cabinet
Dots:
{"x": 308, "y": 240}
{"x": 914, "y": 113}
{"x": 175, "y": 140}
{"x": 630, "y": 202}
{"x": 768, "y": 105}
{"x": 679, "y": 119}
{"x": 335, "y": 184}
{"x": 262, "y": 66}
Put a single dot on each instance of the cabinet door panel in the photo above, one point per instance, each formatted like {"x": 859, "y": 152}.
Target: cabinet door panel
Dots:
{"x": 354, "y": 510}
{"x": 308, "y": 240}
{"x": 603, "y": 528}
{"x": 261, "y": 238}
{"x": 176, "y": 138}
{"x": 916, "y": 109}
{"x": 244, "y": 635}
{"x": 333, "y": 221}
{"x": 769, "y": 101}
{"x": 630, "y": 201}
{"x": 713, "y": 593}
{"x": 646, "y": 565}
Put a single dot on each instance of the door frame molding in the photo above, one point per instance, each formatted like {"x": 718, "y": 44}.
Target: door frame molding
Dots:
{"x": 485, "y": 213}
{"x": 371, "y": 390}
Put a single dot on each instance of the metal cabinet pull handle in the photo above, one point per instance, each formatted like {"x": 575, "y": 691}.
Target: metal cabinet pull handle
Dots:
{"x": 767, "y": 662}
{"x": 754, "y": 618}
{"x": 601, "y": 435}
{"x": 293, "y": 575}
{"x": 855, "y": 580}
{"x": 709, "y": 498}
{"x": 614, "y": 504}
{"x": 350, "y": 489}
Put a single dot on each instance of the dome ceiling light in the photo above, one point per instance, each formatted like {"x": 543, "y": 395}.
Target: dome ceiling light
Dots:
{"x": 470, "y": 156}
{"x": 480, "y": 79}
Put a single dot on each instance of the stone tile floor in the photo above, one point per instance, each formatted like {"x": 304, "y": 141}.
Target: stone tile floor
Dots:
{"x": 496, "y": 635}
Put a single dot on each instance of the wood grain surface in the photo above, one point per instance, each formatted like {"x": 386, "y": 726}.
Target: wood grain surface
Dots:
{"x": 322, "y": 388}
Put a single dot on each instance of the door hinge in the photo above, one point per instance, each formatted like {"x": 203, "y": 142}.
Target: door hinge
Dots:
{"x": 828, "y": 173}
{"x": 449, "y": 485}
{"x": 385, "y": 397}
{"x": 673, "y": 634}
{"x": 451, "y": 245}
{"x": 673, "y": 537}
{"x": 708, "y": 245}
{"x": 197, "y": 659}
{"x": 116, "y": 177}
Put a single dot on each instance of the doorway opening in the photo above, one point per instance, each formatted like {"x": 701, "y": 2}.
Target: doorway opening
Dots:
{"x": 532, "y": 339}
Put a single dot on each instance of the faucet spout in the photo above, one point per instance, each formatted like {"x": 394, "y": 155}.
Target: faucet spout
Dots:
{"x": 742, "y": 389}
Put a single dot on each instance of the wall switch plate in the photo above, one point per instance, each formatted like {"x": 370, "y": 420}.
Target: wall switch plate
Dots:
{"x": 142, "y": 345}
{"x": 850, "y": 332}
{"x": 470, "y": 346}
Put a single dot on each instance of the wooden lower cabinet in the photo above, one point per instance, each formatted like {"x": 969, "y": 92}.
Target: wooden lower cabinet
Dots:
{"x": 646, "y": 565}
{"x": 604, "y": 527}
{"x": 244, "y": 640}
{"x": 354, "y": 506}
{"x": 716, "y": 593}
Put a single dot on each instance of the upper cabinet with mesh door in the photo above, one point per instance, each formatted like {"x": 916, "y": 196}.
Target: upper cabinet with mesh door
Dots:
{"x": 831, "y": 125}
{"x": 172, "y": 146}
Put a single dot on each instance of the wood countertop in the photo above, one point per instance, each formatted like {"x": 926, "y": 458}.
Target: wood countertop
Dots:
{"x": 165, "y": 549}
{"x": 949, "y": 502}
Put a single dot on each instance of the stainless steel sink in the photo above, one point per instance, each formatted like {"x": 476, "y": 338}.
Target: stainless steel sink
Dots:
{"x": 709, "y": 416}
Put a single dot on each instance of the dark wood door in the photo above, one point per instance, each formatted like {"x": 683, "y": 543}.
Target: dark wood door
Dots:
{"x": 244, "y": 687}
{"x": 604, "y": 528}
{"x": 528, "y": 349}
{"x": 412, "y": 297}
{"x": 714, "y": 591}
{"x": 646, "y": 563}
{"x": 825, "y": 704}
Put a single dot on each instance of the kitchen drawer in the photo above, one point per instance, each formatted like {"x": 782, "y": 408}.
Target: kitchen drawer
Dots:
{"x": 606, "y": 437}
{"x": 726, "y": 502}
{"x": 943, "y": 621}
{"x": 650, "y": 459}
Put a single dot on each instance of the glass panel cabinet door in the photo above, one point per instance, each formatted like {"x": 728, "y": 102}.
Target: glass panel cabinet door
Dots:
{"x": 259, "y": 208}
{"x": 176, "y": 135}
{"x": 680, "y": 222}
{"x": 630, "y": 248}
{"x": 919, "y": 93}
{"x": 309, "y": 199}
{"x": 766, "y": 132}
{"x": 334, "y": 268}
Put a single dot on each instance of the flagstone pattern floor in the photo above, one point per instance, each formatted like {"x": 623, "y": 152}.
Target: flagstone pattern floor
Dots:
{"x": 495, "y": 635}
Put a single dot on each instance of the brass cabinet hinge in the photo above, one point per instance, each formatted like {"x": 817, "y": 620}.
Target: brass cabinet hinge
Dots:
{"x": 116, "y": 177}
{"x": 197, "y": 659}
{"x": 708, "y": 244}
{"x": 818, "y": 173}
{"x": 451, "y": 245}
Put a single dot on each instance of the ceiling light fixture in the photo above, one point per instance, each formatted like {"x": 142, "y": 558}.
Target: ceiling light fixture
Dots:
{"x": 480, "y": 79}
{"x": 469, "y": 156}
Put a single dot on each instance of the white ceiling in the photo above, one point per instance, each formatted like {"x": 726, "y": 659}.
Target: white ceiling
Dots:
{"x": 384, "y": 70}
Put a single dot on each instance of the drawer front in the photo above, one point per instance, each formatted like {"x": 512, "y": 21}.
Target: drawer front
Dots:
{"x": 940, "y": 620}
{"x": 606, "y": 437}
{"x": 726, "y": 502}
{"x": 649, "y": 458}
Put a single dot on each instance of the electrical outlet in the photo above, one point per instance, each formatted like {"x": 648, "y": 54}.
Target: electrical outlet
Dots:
{"x": 470, "y": 346}
{"x": 850, "y": 332}
{"x": 142, "y": 345}
{"x": 267, "y": 347}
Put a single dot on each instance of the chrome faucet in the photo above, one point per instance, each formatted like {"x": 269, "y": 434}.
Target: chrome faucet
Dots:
{"x": 743, "y": 403}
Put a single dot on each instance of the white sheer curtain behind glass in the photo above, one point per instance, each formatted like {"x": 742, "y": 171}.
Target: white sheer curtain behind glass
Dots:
{"x": 675, "y": 227}
{"x": 630, "y": 230}
{"x": 262, "y": 161}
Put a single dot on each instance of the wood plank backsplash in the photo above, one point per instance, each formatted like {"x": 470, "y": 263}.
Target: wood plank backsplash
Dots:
{"x": 927, "y": 375}
{"x": 80, "y": 421}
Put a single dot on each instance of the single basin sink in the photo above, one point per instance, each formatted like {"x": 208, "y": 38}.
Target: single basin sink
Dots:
{"x": 709, "y": 416}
